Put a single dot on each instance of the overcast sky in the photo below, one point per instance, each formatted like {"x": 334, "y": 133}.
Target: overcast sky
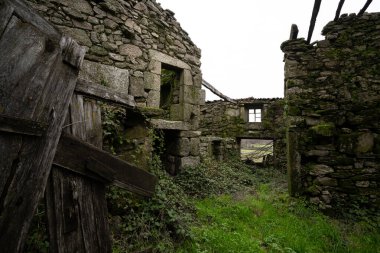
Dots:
{"x": 240, "y": 39}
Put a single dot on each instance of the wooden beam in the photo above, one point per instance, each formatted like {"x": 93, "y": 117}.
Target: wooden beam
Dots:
{"x": 361, "y": 12}
{"x": 16, "y": 125}
{"x": 103, "y": 93}
{"x": 216, "y": 92}
{"x": 293, "y": 32}
{"x": 338, "y": 10}
{"x": 317, "y": 5}
{"x": 85, "y": 159}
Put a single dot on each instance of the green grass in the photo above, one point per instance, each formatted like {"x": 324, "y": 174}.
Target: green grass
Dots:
{"x": 268, "y": 220}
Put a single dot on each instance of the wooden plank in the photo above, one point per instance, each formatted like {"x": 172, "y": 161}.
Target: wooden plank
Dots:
{"x": 93, "y": 123}
{"x": 86, "y": 229}
{"x": 76, "y": 155}
{"x": 216, "y": 92}
{"x": 25, "y": 13}
{"x": 103, "y": 93}
{"x": 79, "y": 215}
{"x": 6, "y": 12}
{"x": 338, "y": 10}
{"x": 317, "y": 5}
{"x": 35, "y": 85}
{"x": 365, "y": 7}
{"x": 21, "y": 126}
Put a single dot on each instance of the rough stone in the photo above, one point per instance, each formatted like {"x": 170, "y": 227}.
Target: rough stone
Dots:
{"x": 78, "y": 34}
{"x": 130, "y": 50}
{"x": 107, "y": 75}
{"x": 320, "y": 170}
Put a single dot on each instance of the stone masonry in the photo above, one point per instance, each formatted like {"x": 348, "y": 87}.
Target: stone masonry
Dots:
{"x": 129, "y": 43}
{"x": 333, "y": 114}
{"x": 225, "y": 123}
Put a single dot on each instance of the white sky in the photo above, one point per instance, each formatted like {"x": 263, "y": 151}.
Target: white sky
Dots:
{"x": 240, "y": 39}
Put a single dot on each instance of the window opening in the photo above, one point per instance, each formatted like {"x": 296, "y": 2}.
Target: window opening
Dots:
{"x": 169, "y": 89}
{"x": 256, "y": 150}
{"x": 254, "y": 115}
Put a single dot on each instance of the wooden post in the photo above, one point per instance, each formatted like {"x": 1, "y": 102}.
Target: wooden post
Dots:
{"x": 293, "y": 32}
{"x": 361, "y": 12}
{"x": 38, "y": 72}
{"x": 338, "y": 10}
{"x": 317, "y": 5}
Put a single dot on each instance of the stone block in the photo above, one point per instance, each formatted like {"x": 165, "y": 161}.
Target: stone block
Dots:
{"x": 136, "y": 87}
{"x": 320, "y": 169}
{"x": 153, "y": 99}
{"x": 176, "y": 112}
{"x": 106, "y": 75}
{"x": 164, "y": 58}
{"x": 130, "y": 50}
{"x": 365, "y": 143}
{"x": 152, "y": 82}
{"x": 202, "y": 97}
{"x": 79, "y": 5}
{"x": 326, "y": 181}
{"x": 194, "y": 146}
{"x": 190, "y": 94}
{"x": 187, "y": 77}
{"x": 155, "y": 67}
{"x": 190, "y": 134}
{"x": 190, "y": 161}
{"x": 78, "y": 34}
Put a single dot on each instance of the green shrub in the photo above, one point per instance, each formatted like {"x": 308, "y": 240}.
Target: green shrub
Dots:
{"x": 213, "y": 178}
{"x": 156, "y": 223}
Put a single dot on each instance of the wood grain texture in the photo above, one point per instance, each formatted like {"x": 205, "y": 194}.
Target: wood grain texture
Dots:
{"x": 105, "y": 94}
{"x": 77, "y": 213}
{"x": 35, "y": 85}
{"x": 11, "y": 124}
{"x": 76, "y": 155}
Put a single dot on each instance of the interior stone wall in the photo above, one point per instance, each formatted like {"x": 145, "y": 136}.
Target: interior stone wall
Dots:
{"x": 333, "y": 114}
{"x": 223, "y": 119}
{"x": 127, "y": 44}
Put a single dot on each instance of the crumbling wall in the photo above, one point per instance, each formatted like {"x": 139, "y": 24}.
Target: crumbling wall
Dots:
{"x": 129, "y": 43}
{"x": 333, "y": 114}
{"x": 222, "y": 119}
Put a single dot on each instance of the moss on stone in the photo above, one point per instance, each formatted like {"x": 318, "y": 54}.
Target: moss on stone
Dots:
{"x": 324, "y": 129}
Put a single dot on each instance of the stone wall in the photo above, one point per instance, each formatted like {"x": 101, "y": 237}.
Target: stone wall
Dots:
{"x": 222, "y": 119}
{"x": 128, "y": 44}
{"x": 333, "y": 114}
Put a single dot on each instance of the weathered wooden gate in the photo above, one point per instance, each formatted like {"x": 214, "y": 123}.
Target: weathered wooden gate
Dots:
{"x": 38, "y": 72}
{"x": 76, "y": 201}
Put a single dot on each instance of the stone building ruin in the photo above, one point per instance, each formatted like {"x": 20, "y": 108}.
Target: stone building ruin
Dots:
{"x": 332, "y": 107}
{"x": 131, "y": 47}
{"x": 332, "y": 140}
{"x": 226, "y": 124}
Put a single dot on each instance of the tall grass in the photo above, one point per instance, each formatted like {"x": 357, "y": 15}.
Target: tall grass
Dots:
{"x": 266, "y": 219}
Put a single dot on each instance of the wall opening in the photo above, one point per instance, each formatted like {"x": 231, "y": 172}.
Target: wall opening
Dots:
{"x": 254, "y": 114}
{"x": 169, "y": 89}
{"x": 217, "y": 150}
{"x": 256, "y": 151}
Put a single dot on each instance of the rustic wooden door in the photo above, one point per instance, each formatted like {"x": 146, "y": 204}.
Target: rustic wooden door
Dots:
{"x": 38, "y": 72}
{"x": 76, "y": 203}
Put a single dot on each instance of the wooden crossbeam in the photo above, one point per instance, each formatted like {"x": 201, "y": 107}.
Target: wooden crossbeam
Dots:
{"x": 338, "y": 10}
{"x": 317, "y": 5}
{"x": 361, "y": 12}
{"x": 16, "y": 125}
{"x": 103, "y": 93}
{"x": 216, "y": 92}
{"x": 78, "y": 156}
